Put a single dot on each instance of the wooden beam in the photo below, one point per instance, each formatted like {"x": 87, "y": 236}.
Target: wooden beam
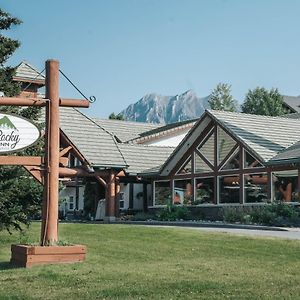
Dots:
{"x": 81, "y": 172}
{"x": 74, "y": 103}
{"x": 111, "y": 196}
{"x": 20, "y": 101}
{"x": 64, "y": 161}
{"x": 35, "y": 172}
{"x": 101, "y": 181}
{"x": 65, "y": 151}
{"x": 21, "y": 160}
{"x": 27, "y": 161}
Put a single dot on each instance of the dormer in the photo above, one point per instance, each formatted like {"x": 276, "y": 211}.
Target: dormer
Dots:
{"x": 31, "y": 80}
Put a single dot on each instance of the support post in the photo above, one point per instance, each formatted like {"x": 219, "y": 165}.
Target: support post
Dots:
{"x": 111, "y": 197}
{"x": 50, "y": 219}
{"x": 117, "y": 201}
{"x": 145, "y": 197}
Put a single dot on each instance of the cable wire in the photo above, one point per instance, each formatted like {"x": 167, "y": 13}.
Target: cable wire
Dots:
{"x": 90, "y": 99}
{"x": 27, "y": 86}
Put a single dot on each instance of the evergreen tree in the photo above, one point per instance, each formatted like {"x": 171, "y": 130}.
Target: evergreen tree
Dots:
{"x": 7, "y": 48}
{"x": 20, "y": 194}
{"x": 260, "y": 101}
{"x": 113, "y": 116}
{"x": 221, "y": 98}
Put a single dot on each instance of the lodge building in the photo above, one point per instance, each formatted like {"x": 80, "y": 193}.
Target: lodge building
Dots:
{"x": 220, "y": 159}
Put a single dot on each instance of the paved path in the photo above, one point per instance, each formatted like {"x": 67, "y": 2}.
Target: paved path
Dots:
{"x": 289, "y": 233}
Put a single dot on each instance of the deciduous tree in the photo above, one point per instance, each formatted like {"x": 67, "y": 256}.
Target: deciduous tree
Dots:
{"x": 221, "y": 98}
{"x": 260, "y": 101}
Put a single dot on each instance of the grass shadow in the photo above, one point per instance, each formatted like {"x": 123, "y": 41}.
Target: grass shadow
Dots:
{"x": 6, "y": 265}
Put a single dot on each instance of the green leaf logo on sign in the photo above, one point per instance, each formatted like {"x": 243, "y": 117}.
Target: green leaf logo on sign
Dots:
{"x": 16, "y": 133}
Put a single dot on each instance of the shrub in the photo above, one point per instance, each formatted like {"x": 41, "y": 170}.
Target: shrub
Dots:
{"x": 142, "y": 216}
{"x": 173, "y": 213}
{"x": 277, "y": 214}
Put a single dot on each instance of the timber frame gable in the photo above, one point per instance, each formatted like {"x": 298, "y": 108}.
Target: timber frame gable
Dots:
{"x": 211, "y": 151}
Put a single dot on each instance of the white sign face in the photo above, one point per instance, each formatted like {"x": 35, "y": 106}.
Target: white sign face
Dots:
{"x": 16, "y": 133}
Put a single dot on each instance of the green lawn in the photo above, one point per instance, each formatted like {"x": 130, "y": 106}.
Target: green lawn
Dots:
{"x": 135, "y": 262}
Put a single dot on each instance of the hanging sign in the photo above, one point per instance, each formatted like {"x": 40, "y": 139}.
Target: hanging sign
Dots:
{"x": 16, "y": 133}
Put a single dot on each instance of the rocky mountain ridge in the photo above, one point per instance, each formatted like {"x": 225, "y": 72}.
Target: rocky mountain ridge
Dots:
{"x": 155, "y": 108}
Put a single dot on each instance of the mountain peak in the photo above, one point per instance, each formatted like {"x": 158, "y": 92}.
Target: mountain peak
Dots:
{"x": 155, "y": 108}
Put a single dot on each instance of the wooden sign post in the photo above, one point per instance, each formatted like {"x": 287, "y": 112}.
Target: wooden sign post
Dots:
{"x": 48, "y": 251}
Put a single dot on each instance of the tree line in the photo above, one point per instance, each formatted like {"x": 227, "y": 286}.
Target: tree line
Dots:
{"x": 258, "y": 101}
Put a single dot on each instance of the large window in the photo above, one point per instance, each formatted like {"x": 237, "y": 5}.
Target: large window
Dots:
{"x": 207, "y": 149}
{"x": 71, "y": 202}
{"x": 225, "y": 144}
{"x": 250, "y": 161}
{"x": 285, "y": 186}
{"x": 204, "y": 191}
{"x": 162, "y": 192}
{"x": 186, "y": 168}
{"x": 256, "y": 188}
{"x": 200, "y": 165}
{"x": 229, "y": 189}
{"x": 183, "y": 192}
{"x": 233, "y": 162}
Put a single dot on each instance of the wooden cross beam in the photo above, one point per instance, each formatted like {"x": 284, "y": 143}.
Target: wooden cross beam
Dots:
{"x": 20, "y": 101}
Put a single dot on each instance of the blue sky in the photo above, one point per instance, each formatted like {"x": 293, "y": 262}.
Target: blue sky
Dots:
{"x": 120, "y": 50}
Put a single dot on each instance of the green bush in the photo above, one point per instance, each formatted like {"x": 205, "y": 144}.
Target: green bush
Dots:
{"x": 143, "y": 216}
{"x": 173, "y": 213}
{"x": 233, "y": 214}
{"x": 276, "y": 214}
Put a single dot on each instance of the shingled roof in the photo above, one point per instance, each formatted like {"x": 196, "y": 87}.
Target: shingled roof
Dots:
{"x": 97, "y": 145}
{"x": 163, "y": 130}
{"x": 141, "y": 158}
{"x": 124, "y": 130}
{"x": 100, "y": 148}
{"x": 264, "y": 136}
{"x": 26, "y": 72}
{"x": 289, "y": 155}
{"x": 292, "y": 103}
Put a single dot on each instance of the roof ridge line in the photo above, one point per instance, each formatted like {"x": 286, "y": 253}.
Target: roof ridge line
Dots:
{"x": 32, "y": 68}
{"x": 211, "y": 111}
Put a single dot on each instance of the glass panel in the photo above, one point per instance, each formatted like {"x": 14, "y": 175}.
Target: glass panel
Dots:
{"x": 256, "y": 188}
{"x": 204, "y": 191}
{"x": 200, "y": 165}
{"x": 285, "y": 186}
{"x": 250, "y": 161}
{"x": 183, "y": 192}
{"x": 186, "y": 168}
{"x": 229, "y": 189}
{"x": 233, "y": 162}
{"x": 225, "y": 144}
{"x": 207, "y": 149}
{"x": 162, "y": 192}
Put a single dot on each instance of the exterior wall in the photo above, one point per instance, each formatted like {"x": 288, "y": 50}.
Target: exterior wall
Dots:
{"x": 66, "y": 195}
{"x": 169, "y": 141}
{"x": 137, "y": 196}
{"x": 124, "y": 191}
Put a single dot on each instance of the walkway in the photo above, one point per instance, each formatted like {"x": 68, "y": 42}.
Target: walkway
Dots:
{"x": 287, "y": 233}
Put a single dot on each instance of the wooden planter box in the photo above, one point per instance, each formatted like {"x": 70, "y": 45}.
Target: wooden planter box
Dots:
{"x": 28, "y": 256}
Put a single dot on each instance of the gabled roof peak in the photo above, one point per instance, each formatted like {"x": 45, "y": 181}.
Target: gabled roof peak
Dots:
{"x": 27, "y": 73}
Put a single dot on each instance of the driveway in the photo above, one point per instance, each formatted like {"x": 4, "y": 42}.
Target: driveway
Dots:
{"x": 287, "y": 233}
